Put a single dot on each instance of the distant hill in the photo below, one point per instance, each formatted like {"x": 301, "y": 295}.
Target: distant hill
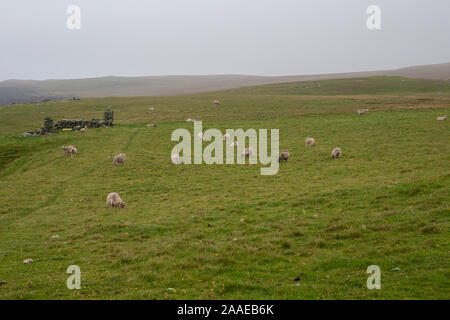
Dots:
{"x": 385, "y": 85}
{"x": 23, "y": 91}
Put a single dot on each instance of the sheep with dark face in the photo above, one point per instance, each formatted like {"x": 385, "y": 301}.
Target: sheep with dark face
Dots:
{"x": 114, "y": 201}
{"x": 444, "y": 118}
{"x": 216, "y": 102}
{"x": 310, "y": 142}
{"x": 120, "y": 159}
{"x": 284, "y": 156}
{"x": 336, "y": 153}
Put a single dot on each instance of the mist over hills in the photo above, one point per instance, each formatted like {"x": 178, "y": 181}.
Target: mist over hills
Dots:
{"x": 27, "y": 91}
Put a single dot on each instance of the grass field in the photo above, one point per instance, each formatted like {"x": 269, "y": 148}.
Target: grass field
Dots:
{"x": 225, "y": 231}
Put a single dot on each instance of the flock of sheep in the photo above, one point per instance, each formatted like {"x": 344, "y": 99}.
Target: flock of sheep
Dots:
{"x": 113, "y": 199}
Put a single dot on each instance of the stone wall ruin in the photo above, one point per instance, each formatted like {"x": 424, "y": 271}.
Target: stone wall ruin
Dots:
{"x": 73, "y": 124}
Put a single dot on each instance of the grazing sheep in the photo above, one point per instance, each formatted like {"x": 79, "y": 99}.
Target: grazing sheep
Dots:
{"x": 362, "y": 111}
{"x": 70, "y": 150}
{"x": 336, "y": 153}
{"x": 444, "y": 118}
{"x": 226, "y": 136}
{"x": 284, "y": 155}
{"x": 120, "y": 158}
{"x": 114, "y": 201}
{"x": 151, "y": 109}
{"x": 310, "y": 142}
{"x": 66, "y": 150}
{"x": 190, "y": 120}
{"x": 234, "y": 144}
{"x": 216, "y": 102}
{"x": 175, "y": 159}
{"x": 247, "y": 152}
{"x": 151, "y": 125}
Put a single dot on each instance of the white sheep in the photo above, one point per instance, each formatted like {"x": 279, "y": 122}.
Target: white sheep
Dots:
{"x": 216, "y": 102}
{"x": 70, "y": 150}
{"x": 336, "y": 153}
{"x": 284, "y": 155}
{"x": 120, "y": 159}
{"x": 310, "y": 142}
{"x": 362, "y": 111}
{"x": 113, "y": 200}
{"x": 175, "y": 159}
{"x": 444, "y": 118}
{"x": 226, "y": 136}
{"x": 234, "y": 144}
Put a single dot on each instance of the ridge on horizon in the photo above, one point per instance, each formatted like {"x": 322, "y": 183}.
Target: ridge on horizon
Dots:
{"x": 25, "y": 91}
{"x": 226, "y": 74}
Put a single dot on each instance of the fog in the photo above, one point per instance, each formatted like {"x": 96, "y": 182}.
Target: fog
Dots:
{"x": 194, "y": 37}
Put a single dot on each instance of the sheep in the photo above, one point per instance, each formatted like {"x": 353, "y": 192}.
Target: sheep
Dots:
{"x": 151, "y": 109}
{"x": 216, "y": 102}
{"x": 234, "y": 144}
{"x": 151, "y": 125}
{"x": 336, "y": 153}
{"x": 362, "y": 111}
{"x": 175, "y": 159}
{"x": 310, "y": 142}
{"x": 120, "y": 158}
{"x": 66, "y": 150}
{"x": 70, "y": 150}
{"x": 226, "y": 136}
{"x": 190, "y": 120}
{"x": 247, "y": 152}
{"x": 284, "y": 155}
{"x": 444, "y": 118}
{"x": 114, "y": 201}
{"x": 74, "y": 151}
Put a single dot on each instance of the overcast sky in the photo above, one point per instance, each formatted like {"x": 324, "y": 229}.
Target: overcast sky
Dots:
{"x": 259, "y": 37}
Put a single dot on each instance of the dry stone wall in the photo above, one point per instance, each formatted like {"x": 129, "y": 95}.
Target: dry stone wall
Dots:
{"x": 73, "y": 124}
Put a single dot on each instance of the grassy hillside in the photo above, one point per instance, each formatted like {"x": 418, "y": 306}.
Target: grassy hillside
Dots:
{"x": 353, "y": 86}
{"x": 226, "y": 232}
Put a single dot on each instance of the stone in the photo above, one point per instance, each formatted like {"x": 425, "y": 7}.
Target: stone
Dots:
{"x": 48, "y": 124}
{"x": 108, "y": 115}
